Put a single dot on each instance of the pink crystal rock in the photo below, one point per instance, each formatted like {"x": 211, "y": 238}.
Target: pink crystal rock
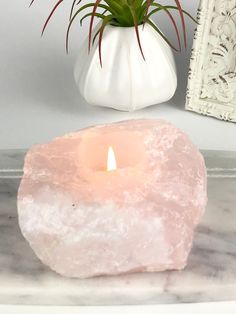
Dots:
{"x": 84, "y": 221}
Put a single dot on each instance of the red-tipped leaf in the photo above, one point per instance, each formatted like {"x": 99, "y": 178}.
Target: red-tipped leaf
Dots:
{"x": 175, "y": 27}
{"x": 96, "y": 4}
{"x": 137, "y": 33}
{"x": 159, "y": 8}
{"x": 51, "y": 14}
{"x": 101, "y": 31}
{"x": 72, "y": 8}
{"x": 149, "y": 2}
{"x": 31, "y": 3}
{"x": 139, "y": 41}
{"x": 182, "y": 21}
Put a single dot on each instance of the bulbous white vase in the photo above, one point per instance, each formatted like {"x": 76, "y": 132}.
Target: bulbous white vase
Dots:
{"x": 126, "y": 81}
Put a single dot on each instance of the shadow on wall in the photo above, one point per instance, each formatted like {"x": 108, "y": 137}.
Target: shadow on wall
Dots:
{"x": 182, "y": 64}
{"x": 182, "y": 58}
{"x": 52, "y": 83}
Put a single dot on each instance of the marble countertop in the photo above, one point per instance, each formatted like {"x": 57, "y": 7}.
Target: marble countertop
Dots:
{"x": 209, "y": 276}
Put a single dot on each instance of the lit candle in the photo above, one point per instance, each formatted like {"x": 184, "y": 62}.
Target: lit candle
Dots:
{"x": 111, "y": 160}
{"x": 113, "y": 199}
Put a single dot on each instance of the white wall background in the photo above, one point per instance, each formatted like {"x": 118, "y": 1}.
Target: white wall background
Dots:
{"x": 38, "y": 97}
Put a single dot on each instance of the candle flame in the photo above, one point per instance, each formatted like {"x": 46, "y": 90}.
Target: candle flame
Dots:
{"x": 111, "y": 160}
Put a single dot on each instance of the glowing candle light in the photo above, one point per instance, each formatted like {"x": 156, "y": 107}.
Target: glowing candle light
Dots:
{"x": 111, "y": 160}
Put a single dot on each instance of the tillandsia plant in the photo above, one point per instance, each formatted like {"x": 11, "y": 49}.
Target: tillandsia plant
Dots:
{"x": 122, "y": 13}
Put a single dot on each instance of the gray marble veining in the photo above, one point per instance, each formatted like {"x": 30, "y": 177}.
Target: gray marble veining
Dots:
{"x": 209, "y": 276}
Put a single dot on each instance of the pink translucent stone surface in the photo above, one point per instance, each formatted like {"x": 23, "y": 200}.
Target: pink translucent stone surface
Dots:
{"x": 83, "y": 221}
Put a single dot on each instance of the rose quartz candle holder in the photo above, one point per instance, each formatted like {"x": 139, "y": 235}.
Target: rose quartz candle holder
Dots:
{"x": 82, "y": 220}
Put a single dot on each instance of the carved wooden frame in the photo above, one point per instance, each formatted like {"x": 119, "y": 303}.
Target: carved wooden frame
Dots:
{"x": 212, "y": 75}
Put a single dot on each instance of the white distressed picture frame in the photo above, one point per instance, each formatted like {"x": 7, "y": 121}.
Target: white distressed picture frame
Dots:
{"x": 212, "y": 75}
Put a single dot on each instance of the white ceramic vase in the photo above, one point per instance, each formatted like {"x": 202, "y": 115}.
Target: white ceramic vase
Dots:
{"x": 126, "y": 81}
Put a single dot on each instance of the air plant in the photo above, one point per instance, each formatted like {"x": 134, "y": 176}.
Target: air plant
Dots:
{"x": 122, "y": 13}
